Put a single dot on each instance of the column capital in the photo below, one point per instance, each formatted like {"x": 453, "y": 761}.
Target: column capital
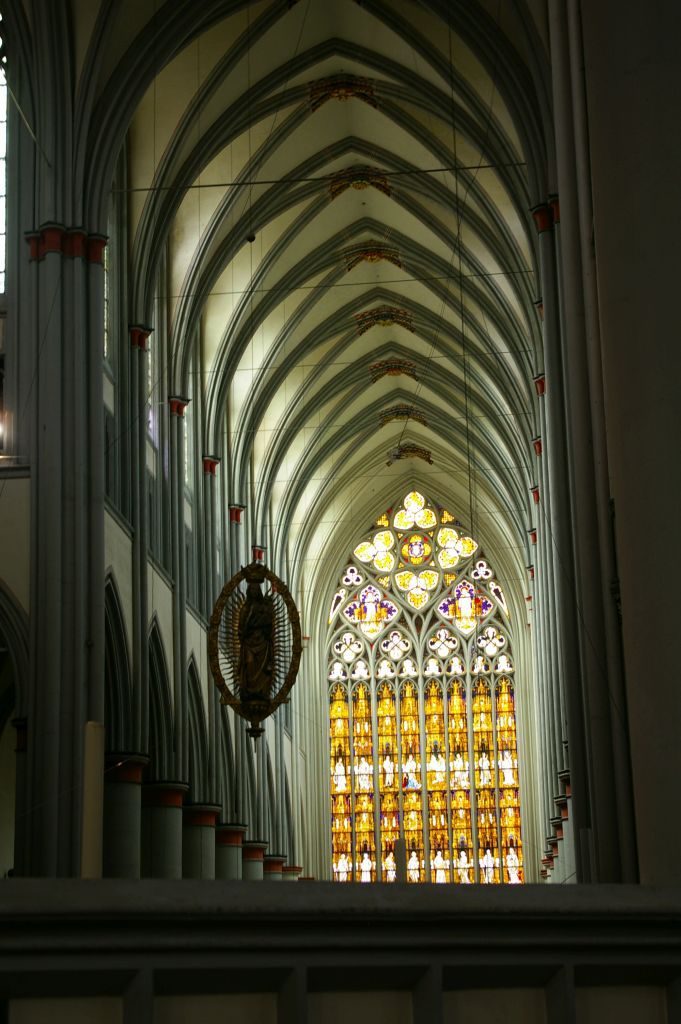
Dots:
{"x": 201, "y": 815}
{"x": 534, "y": 491}
{"x": 178, "y": 404}
{"x": 543, "y": 217}
{"x": 258, "y": 552}
{"x": 539, "y": 306}
{"x": 254, "y": 849}
{"x": 533, "y": 535}
{"x": 230, "y": 835}
{"x": 73, "y": 243}
{"x": 125, "y": 767}
{"x": 139, "y": 336}
{"x": 164, "y": 794}
{"x": 540, "y": 384}
{"x": 235, "y": 513}
{"x": 530, "y": 570}
{"x": 537, "y": 445}
{"x": 210, "y": 464}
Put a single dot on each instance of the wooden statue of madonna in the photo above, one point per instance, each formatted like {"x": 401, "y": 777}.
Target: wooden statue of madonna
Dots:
{"x": 254, "y": 644}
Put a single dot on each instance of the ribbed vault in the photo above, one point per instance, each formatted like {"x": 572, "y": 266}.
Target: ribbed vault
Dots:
{"x": 338, "y": 197}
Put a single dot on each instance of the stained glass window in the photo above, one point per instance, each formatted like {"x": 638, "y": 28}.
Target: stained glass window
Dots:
{"x": 423, "y": 746}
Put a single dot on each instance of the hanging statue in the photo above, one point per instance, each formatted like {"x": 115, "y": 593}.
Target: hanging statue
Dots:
{"x": 254, "y": 644}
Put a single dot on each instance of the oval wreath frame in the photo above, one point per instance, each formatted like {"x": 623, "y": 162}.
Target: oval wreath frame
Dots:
{"x": 254, "y": 711}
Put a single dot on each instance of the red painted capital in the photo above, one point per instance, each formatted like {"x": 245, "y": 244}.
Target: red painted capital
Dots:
{"x": 540, "y": 384}
{"x": 210, "y": 464}
{"x": 164, "y": 794}
{"x": 533, "y": 535}
{"x": 96, "y": 244}
{"x": 258, "y": 553}
{"x": 139, "y": 337}
{"x": 177, "y": 405}
{"x": 543, "y": 217}
{"x": 235, "y": 512}
{"x": 537, "y": 445}
{"x": 534, "y": 491}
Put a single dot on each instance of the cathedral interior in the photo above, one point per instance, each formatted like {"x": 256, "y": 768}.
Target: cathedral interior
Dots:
{"x": 365, "y": 301}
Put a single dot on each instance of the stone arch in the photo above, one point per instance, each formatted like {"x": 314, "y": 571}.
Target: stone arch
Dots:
{"x": 226, "y": 773}
{"x": 117, "y": 677}
{"x": 160, "y": 711}
{"x": 197, "y": 739}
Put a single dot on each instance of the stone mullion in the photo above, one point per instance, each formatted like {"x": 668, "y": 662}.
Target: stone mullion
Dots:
{"x": 425, "y": 814}
{"x": 471, "y": 761}
{"x": 376, "y": 763}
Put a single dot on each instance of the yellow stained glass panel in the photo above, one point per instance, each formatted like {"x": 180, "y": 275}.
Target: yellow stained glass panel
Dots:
{"x": 417, "y": 598}
{"x": 384, "y": 561}
{"x": 365, "y": 551}
{"x": 447, "y": 559}
{"x": 414, "y": 501}
{"x": 384, "y": 540}
{"x": 405, "y": 580}
{"x": 429, "y": 579}
{"x": 403, "y": 520}
{"x": 426, "y": 519}
{"x": 467, "y": 546}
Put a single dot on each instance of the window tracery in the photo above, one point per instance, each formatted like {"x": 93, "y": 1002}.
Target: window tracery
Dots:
{"x": 423, "y": 747}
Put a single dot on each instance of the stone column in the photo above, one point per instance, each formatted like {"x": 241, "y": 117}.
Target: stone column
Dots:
{"x": 273, "y": 864}
{"x": 122, "y": 816}
{"x": 291, "y": 872}
{"x": 177, "y": 406}
{"x": 210, "y": 465}
{"x": 253, "y": 856}
{"x": 198, "y": 841}
{"x": 139, "y": 338}
{"x": 228, "y": 851}
{"x": 162, "y": 829}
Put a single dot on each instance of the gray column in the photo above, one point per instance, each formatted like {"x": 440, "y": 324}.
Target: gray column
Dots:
{"x": 253, "y": 856}
{"x": 162, "y": 829}
{"x": 180, "y": 718}
{"x": 198, "y": 841}
{"x": 228, "y": 851}
{"x": 210, "y": 464}
{"x": 561, "y": 547}
{"x": 273, "y": 864}
{"x": 122, "y": 816}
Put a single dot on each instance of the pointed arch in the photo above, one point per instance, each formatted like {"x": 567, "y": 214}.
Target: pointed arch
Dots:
{"x": 117, "y": 677}
{"x": 226, "y": 773}
{"x": 287, "y": 821}
{"x": 160, "y": 710}
{"x": 197, "y": 739}
{"x": 14, "y": 638}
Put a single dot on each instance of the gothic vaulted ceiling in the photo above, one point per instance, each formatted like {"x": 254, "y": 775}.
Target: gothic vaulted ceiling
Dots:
{"x": 337, "y": 197}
